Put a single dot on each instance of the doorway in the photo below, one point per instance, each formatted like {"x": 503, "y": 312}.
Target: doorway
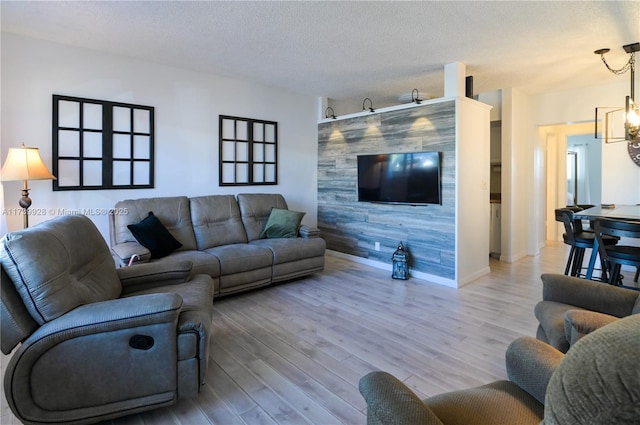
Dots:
{"x": 584, "y": 170}
{"x": 585, "y": 178}
{"x": 572, "y": 177}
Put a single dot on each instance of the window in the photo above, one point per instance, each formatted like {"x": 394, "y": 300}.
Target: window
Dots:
{"x": 101, "y": 145}
{"x": 248, "y": 151}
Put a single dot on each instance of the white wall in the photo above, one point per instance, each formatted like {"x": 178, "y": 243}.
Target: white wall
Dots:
{"x": 187, "y": 105}
{"x": 518, "y": 191}
{"x": 570, "y": 112}
{"x": 524, "y": 157}
{"x": 620, "y": 175}
{"x": 472, "y": 189}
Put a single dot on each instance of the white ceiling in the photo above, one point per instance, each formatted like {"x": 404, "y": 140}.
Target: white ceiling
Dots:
{"x": 349, "y": 50}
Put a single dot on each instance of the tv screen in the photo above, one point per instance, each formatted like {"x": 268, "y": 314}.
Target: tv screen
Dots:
{"x": 402, "y": 178}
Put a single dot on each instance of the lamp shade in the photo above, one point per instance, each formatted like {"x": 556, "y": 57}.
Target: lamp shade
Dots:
{"x": 24, "y": 164}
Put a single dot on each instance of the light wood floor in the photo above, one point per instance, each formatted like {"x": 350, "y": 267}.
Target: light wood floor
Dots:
{"x": 293, "y": 353}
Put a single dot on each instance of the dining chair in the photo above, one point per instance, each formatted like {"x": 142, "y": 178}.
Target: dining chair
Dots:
{"x": 615, "y": 257}
{"x": 568, "y": 238}
{"x": 587, "y": 224}
{"x": 579, "y": 240}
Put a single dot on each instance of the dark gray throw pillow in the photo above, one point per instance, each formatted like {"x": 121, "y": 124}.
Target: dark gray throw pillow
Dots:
{"x": 152, "y": 234}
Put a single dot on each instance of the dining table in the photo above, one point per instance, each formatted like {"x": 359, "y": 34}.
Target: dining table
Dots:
{"x": 611, "y": 212}
{"x": 615, "y": 212}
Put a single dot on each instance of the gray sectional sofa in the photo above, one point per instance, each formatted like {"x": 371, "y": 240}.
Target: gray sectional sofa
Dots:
{"x": 222, "y": 236}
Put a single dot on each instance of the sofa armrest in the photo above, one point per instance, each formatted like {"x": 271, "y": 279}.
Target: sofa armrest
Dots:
{"x": 530, "y": 363}
{"x": 308, "y": 231}
{"x": 107, "y": 316}
{"x": 124, "y": 251}
{"x": 389, "y": 401}
{"x": 578, "y": 323}
{"x": 588, "y": 294}
{"x": 139, "y": 277}
{"x": 103, "y": 353}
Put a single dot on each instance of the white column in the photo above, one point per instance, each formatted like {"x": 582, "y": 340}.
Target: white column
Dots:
{"x": 454, "y": 79}
{"x": 323, "y": 102}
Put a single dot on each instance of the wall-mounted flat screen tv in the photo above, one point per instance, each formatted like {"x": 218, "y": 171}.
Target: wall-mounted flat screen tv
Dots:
{"x": 400, "y": 178}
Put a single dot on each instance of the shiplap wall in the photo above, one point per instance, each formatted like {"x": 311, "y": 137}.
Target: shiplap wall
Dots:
{"x": 353, "y": 227}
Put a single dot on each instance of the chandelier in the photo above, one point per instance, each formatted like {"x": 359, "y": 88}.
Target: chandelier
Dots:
{"x": 631, "y": 109}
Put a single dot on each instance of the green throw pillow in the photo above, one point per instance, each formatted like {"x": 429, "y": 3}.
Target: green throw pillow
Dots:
{"x": 282, "y": 224}
{"x": 152, "y": 234}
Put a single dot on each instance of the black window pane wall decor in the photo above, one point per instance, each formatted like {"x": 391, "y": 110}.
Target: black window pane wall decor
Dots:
{"x": 100, "y": 144}
{"x": 248, "y": 151}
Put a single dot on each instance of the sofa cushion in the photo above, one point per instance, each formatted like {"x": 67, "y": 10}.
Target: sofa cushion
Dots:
{"x": 173, "y": 212}
{"x": 59, "y": 265}
{"x": 293, "y": 249}
{"x": 216, "y": 221}
{"x": 477, "y": 406}
{"x": 152, "y": 234}
{"x": 238, "y": 258}
{"x": 255, "y": 209}
{"x": 282, "y": 224}
{"x": 203, "y": 263}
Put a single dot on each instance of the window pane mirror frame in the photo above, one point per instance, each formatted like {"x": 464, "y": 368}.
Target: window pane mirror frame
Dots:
{"x": 248, "y": 151}
{"x": 109, "y": 137}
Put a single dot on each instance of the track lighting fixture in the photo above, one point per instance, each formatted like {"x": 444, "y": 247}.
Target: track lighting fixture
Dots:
{"x": 370, "y": 105}
{"x": 326, "y": 113}
{"x": 415, "y": 98}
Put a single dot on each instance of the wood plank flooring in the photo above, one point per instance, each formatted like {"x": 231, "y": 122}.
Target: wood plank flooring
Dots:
{"x": 293, "y": 353}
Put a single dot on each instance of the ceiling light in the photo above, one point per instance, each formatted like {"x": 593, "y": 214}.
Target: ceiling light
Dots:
{"x": 631, "y": 110}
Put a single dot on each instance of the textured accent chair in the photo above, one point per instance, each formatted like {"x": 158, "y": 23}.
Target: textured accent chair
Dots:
{"x": 596, "y": 383}
{"x": 96, "y": 342}
{"x": 573, "y": 307}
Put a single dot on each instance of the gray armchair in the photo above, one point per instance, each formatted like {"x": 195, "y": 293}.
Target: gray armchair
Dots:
{"x": 573, "y": 307}
{"x": 96, "y": 342}
{"x": 597, "y": 383}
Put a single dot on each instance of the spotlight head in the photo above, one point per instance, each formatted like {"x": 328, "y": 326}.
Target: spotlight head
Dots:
{"x": 370, "y": 105}
{"x": 601, "y": 51}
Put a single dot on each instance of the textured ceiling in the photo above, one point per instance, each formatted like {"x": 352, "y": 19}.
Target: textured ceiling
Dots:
{"x": 349, "y": 50}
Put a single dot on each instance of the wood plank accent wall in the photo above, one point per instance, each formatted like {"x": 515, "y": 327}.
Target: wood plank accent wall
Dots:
{"x": 353, "y": 227}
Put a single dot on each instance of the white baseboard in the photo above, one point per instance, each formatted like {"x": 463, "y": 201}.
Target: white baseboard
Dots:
{"x": 384, "y": 266}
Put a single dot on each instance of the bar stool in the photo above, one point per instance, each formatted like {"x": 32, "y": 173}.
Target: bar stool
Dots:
{"x": 616, "y": 256}
{"x": 579, "y": 240}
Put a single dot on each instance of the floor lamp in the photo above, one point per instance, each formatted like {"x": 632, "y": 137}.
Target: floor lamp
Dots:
{"x": 24, "y": 164}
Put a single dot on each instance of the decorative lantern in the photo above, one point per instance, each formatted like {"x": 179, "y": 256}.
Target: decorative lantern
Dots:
{"x": 399, "y": 260}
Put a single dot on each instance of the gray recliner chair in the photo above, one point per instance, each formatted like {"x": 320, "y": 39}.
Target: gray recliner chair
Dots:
{"x": 572, "y": 307}
{"x": 596, "y": 383}
{"x": 96, "y": 342}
